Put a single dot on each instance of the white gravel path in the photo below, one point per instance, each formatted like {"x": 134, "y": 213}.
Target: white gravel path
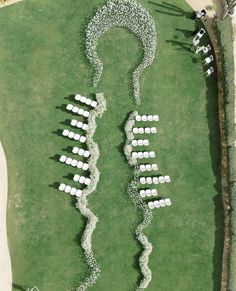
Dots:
{"x": 5, "y": 260}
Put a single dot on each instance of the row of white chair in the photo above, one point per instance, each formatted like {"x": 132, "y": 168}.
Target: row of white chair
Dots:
{"x": 85, "y": 100}
{"x": 140, "y": 142}
{"x": 80, "y": 152}
{"x": 147, "y": 118}
{"x": 77, "y": 110}
{"x": 74, "y": 163}
{"x": 73, "y": 135}
{"x": 154, "y": 180}
{"x": 79, "y": 124}
{"x": 159, "y": 203}
{"x": 148, "y": 193}
{"x": 70, "y": 190}
{"x": 141, "y": 130}
{"x": 148, "y": 167}
{"x": 145, "y": 155}
{"x": 82, "y": 179}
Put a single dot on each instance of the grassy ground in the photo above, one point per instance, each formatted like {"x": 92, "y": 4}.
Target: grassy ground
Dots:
{"x": 42, "y": 61}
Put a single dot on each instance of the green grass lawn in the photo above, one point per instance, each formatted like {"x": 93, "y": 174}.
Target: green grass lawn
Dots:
{"x": 42, "y": 62}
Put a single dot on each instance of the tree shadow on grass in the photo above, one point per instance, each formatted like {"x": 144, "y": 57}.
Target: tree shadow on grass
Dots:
{"x": 18, "y": 287}
{"x": 215, "y": 152}
{"x": 173, "y": 10}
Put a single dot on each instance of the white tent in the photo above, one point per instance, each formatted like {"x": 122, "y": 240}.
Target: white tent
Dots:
{"x": 80, "y": 165}
{"x": 78, "y": 193}
{"x": 65, "y": 132}
{"x": 74, "y": 163}
{"x": 73, "y": 191}
{"x": 151, "y": 205}
{"x": 62, "y": 187}
{"x": 68, "y": 161}
{"x": 77, "y": 137}
{"x": 62, "y": 159}
{"x": 76, "y": 178}
{"x": 86, "y": 114}
{"x": 73, "y": 122}
{"x": 67, "y": 189}
{"x": 69, "y": 107}
{"x": 71, "y": 134}
{"x": 82, "y": 139}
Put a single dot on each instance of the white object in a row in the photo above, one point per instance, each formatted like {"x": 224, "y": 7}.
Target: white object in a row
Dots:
{"x": 159, "y": 203}
{"x": 70, "y": 190}
{"x": 80, "y": 152}
{"x": 148, "y": 193}
{"x": 77, "y": 110}
{"x": 74, "y": 163}
{"x": 147, "y": 118}
{"x": 86, "y": 101}
{"x": 82, "y": 179}
{"x": 145, "y": 155}
{"x": 148, "y": 167}
{"x": 79, "y": 124}
{"x": 154, "y": 180}
{"x": 73, "y": 135}
{"x": 141, "y": 130}
{"x": 140, "y": 142}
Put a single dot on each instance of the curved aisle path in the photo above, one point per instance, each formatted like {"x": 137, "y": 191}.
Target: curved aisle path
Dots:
{"x": 5, "y": 261}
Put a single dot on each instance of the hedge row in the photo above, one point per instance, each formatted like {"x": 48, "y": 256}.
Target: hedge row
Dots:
{"x": 225, "y": 33}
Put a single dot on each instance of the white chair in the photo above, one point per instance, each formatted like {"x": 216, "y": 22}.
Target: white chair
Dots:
{"x": 150, "y": 117}
{"x": 198, "y": 36}
{"x": 161, "y": 180}
{"x": 147, "y": 130}
{"x": 94, "y": 104}
{"x": 140, "y": 155}
{"x": 82, "y": 179}
{"x": 142, "y": 168}
{"x": 149, "y": 180}
{"x": 134, "y": 142}
{"x": 78, "y": 97}
{"x": 141, "y": 130}
{"x": 85, "y": 166}
{"x": 65, "y": 132}
{"x": 69, "y": 107}
{"x": 81, "y": 152}
{"x": 148, "y": 167}
{"x": 206, "y": 49}
{"x": 148, "y": 193}
{"x": 151, "y": 205}
{"x": 154, "y": 167}
{"x": 152, "y": 154}
{"x": 167, "y": 179}
{"x": 168, "y": 202}
{"x": 155, "y": 180}
{"x": 156, "y": 204}
{"x": 68, "y": 161}
{"x": 144, "y": 117}
{"x": 146, "y": 142}
{"x": 156, "y": 117}
{"x": 83, "y": 99}
{"x": 71, "y": 134}
{"x": 146, "y": 155}
{"x": 88, "y": 101}
{"x": 78, "y": 193}
{"x": 74, "y": 163}
{"x": 87, "y": 181}
{"x": 142, "y": 193}
{"x": 75, "y": 109}
{"x": 162, "y": 203}
{"x": 135, "y": 130}
{"x": 81, "y": 111}
{"x": 62, "y": 159}
{"x": 67, "y": 189}
{"x": 208, "y": 60}
{"x": 86, "y": 114}
{"x": 80, "y": 165}
{"x": 75, "y": 150}
{"x": 76, "y": 178}
{"x": 154, "y": 192}
{"x": 73, "y": 191}
{"x": 79, "y": 124}
{"x": 86, "y": 154}
{"x": 73, "y": 122}
{"x": 82, "y": 139}
{"x": 62, "y": 187}
{"x": 85, "y": 127}
{"x": 77, "y": 137}
{"x": 138, "y": 117}
{"x": 140, "y": 142}
{"x": 209, "y": 72}
{"x": 142, "y": 180}
{"x": 153, "y": 130}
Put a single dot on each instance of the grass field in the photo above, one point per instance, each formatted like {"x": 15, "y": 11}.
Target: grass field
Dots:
{"x": 42, "y": 62}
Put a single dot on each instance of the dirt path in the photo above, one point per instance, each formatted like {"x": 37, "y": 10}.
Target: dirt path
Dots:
{"x": 5, "y": 261}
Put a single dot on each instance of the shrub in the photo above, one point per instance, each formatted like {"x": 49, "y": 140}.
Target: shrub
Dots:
{"x": 129, "y": 137}
{"x": 86, "y": 241}
{"x": 128, "y": 14}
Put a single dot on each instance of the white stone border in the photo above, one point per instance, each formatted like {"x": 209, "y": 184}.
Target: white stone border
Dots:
{"x": 5, "y": 260}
